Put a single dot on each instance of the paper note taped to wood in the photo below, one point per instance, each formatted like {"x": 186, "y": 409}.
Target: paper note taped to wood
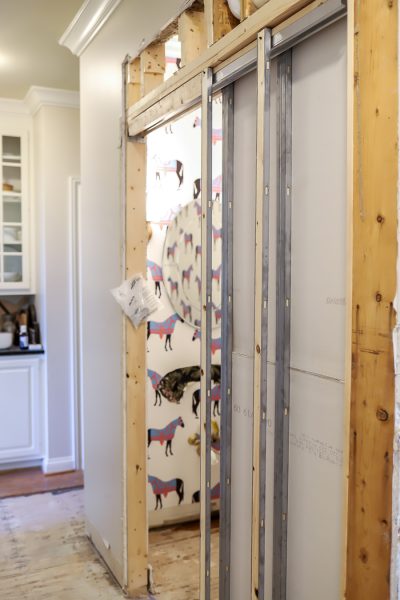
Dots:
{"x": 136, "y": 299}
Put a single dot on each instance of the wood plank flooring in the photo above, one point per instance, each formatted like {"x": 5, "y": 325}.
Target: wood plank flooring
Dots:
{"x": 23, "y": 482}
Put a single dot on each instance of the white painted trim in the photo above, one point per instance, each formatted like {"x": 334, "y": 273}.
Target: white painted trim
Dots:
{"x": 12, "y": 106}
{"x": 86, "y": 24}
{"x": 58, "y": 465}
{"x": 42, "y": 96}
{"x": 76, "y": 354}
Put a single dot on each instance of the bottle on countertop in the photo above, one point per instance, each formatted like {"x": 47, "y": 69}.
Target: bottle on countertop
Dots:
{"x": 23, "y": 337}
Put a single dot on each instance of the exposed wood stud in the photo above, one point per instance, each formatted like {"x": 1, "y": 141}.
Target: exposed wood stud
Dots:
{"x": 373, "y": 38}
{"x": 192, "y": 35}
{"x": 247, "y": 8}
{"x": 134, "y": 87}
{"x": 270, "y": 15}
{"x": 152, "y": 67}
{"x": 136, "y": 467}
{"x": 219, "y": 20}
{"x": 152, "y": 59}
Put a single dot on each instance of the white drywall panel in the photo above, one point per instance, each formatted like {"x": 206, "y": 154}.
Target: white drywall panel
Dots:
{"x": 319, "y": 203}
{"x": 315, "y": 488}
{"x": 318, "y": 322}
{"x": 245, "y": 104}
{"x": 102, "y": 262}
{"x": 245, "y": 98}
{"x": 315, "y": 544}
{"x": 317, "y": 316}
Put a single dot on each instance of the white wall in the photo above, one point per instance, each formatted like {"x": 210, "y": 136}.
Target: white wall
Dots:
{"x": 56, "y": 158}
{"x": 101, "y": 87}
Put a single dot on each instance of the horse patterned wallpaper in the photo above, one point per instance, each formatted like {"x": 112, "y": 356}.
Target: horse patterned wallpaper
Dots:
{"x": 173, "y": 336}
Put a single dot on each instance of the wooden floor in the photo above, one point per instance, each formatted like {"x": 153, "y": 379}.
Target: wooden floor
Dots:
{"x": 45, "y": 554}
{"x": 23, "y": 482}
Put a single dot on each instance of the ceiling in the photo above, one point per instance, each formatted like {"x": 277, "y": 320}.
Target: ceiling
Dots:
{"x": 29, "y": 49}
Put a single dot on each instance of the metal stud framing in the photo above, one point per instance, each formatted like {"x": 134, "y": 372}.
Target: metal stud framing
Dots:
{"x": 283, "y": 308}
{"x": 261, "y": 314}
{"x": 226, "y": 351}
{"x": 206, "y": 316}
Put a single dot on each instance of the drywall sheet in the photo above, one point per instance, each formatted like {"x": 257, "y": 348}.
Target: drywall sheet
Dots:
{"x": 315, "y": 545}
{"x": 245, "y": 101}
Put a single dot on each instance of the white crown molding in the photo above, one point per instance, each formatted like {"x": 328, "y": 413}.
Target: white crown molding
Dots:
{"x": 86, "y": 24}
{"x": 42, "y": 96}
{"x": 12, "y": 106}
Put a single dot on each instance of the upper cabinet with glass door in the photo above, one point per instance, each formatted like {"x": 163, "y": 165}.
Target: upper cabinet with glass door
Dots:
{"x": 14, "y": 234}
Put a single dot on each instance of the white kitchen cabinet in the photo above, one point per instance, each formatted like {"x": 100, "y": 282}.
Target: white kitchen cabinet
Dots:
{"x": 14, "y": 212}
{"x": 20, "y": 409}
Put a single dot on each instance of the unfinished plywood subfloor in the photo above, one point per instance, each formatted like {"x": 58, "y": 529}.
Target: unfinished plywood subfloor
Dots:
{"x": 45, "y": 554}
{"x": 174, "y": 557}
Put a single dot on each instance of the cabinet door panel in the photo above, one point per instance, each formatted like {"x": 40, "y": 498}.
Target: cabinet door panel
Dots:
{"x": 19, "y": 410}
{"x": 14, "y": 213}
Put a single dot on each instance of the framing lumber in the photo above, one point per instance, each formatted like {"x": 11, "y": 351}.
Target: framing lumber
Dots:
{"x": 136, "y": 455}
{"x": 261, "y": 329}
{"x": 270, "y": 15}
{"x": 192, "y": 35}
{"x": 134, "y": 82}
{"x": 374, "y": 65}
{"x": 152, "y": 67}
{"x": 219, "y": 19}
{"x": 246, "y": 9}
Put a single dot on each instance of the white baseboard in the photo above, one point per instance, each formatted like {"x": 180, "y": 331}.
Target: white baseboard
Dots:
{"x": 58, "y": 465}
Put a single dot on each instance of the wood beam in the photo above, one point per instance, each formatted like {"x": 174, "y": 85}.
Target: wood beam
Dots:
{"x": 219, "y": 19}
{"x": 270, "y": 15}
{"x": 373, "y": 38}
{"x": 135, "y": 417}
{"x": 192, "y": 35}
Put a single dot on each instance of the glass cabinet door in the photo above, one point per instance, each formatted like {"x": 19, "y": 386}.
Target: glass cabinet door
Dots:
{"x": 12, "y": 245}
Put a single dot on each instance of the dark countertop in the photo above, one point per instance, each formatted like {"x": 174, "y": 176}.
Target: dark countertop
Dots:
{"x": 15, "y": 351}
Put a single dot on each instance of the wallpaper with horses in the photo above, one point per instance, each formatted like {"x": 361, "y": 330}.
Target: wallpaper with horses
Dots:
{"x": 173, "y": 336}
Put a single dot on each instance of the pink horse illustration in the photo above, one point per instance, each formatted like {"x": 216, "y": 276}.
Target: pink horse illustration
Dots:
{"x": 216, "y": 274}
{"x": 166, "y": 434}
{"x": 186, "y": 274}
{"x": 174, "y": 285}
{"x": 216, "y": 133}
{"x": 187, "y": 310}
{"x": 198, "y": 281}
{"x": 156, "y": 274}
{"x": 215, "y": 342}
{"x": 171, "y": 250}
{"x": 162, "y": 328}
{"x": 216, "y": 233}
{"x": 155, "y": 379}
